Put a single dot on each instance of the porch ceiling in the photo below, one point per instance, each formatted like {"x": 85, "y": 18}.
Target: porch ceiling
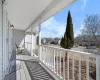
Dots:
{"x": 26, "y": 13}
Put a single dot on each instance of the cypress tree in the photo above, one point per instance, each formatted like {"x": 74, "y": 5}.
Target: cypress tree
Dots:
{"x": 62, "y": 42}
{"x": 68, "y": 40}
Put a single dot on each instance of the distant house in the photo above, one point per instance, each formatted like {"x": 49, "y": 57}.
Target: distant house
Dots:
{"x": 55, "y": 41}
{"x": 92, "y": 43}
{"x": 87, "y": 41}
{"x": 43, "y": 41}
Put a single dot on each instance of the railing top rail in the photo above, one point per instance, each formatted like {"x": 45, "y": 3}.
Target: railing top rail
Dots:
{"x": 68, "y": 50}
{"x": 28, "y": 42}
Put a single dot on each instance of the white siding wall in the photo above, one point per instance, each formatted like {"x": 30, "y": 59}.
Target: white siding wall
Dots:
{"x": 10, "y": 41}
{"x": 1, "y": 40}
{"x": 5, "y": 42}
{"x": 18, "y": 38}
{"x": 6, "y": 60}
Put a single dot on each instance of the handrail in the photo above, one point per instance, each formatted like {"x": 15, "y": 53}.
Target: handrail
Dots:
{"x": 68, "y": 50}
{"x": 28, "y": 42}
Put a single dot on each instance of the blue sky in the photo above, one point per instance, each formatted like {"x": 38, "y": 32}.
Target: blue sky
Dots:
{"x": 55, "y": 26}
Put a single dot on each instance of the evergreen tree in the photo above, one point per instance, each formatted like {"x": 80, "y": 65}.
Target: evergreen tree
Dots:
{"x": 62, "y": 43}
{"x": 68, "y": 40}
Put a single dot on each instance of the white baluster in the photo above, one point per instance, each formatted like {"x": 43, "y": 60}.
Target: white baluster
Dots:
{"x": 57, "y": 61}
{"x": 87, "y": 68}
{"x": 73, "y": 67}
{"x": 63, "y": 65}
{"x": 60, "y": 63}
{"x": 45, "y": 56}
{"x": 79, "y": 67}
{"x": 54, "y": 60}
{"x": 67, "y": 66}
{"x": 42, "y": 51}
{"x": 48, "y": 56}
{"x": 97, "y": 68}
{"x": 27, "y": 46}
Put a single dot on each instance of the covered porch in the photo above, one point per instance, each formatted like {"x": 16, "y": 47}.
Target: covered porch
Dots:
{"x": 43, "y": 62}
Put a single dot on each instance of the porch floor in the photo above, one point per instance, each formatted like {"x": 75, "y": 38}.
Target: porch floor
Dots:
{"x": 28, "y": 68}
{"x": 34, "y": 69}
{"x": 37, "y": 72}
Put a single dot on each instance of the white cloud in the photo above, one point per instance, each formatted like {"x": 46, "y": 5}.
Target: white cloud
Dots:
{"x": 78, "y": 31}
{"x": 82, "y": 27}
{"x": 84, "y": 3}
{"x": 53, "y": 28}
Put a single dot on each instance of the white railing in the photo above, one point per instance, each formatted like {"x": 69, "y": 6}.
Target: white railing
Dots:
{"x": 70, "y": 64}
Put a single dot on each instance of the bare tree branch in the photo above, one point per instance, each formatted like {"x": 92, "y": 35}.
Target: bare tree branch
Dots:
{"x": 91, "y": 26}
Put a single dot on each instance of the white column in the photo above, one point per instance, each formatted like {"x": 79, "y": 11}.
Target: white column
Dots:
{"x": 32, "y": 41}
{"x": 24, "y": 41}
{"x": 39, "y": 53}
{"x": 40, "y": 34}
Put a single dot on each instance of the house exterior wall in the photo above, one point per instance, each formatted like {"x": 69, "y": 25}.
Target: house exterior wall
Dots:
{"x": 28, "y": 41}
{"x": 1, "y": 57}
{"x": 18, "y": 38}
{"x": 5, "y": 41}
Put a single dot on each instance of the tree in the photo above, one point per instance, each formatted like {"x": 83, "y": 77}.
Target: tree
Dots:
{"x": 91, "y": 26}
{"x": 62, "y": 41}
{"x": 68, "y": 40}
